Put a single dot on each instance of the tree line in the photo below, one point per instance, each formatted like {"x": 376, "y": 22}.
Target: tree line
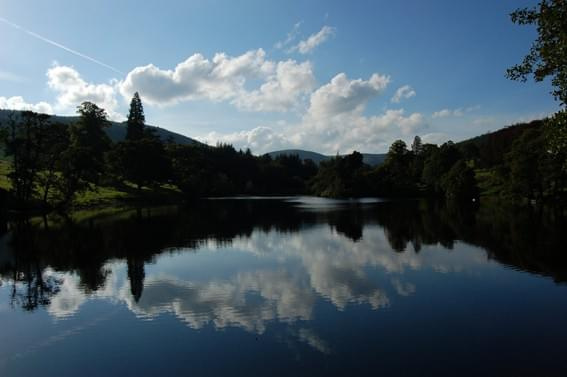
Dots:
{"x": 523, "y": 163}
{"x": 53, "y": 163}
{"x": 423, "y": 170}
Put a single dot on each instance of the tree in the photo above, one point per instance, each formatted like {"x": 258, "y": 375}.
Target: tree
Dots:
{"x": 548, "y": 58}
{"x": 548, "y": 54}
{"x": 557, "y": 140}
{"x": 24, "y": 142}
{"x": 142, "y": 162}
{"x": 141, "y": 158}
{"x": 398, "y": 150}
{"x": 136, "y": 119}
{"x": 34, "y": 144}
{"x": 342, "y": 176}
{"x": 56, "y": 142}
{"x": 459, "y": 183}
{"x": 83, "y": 162}
{"x": 395, "y": 176}
{"x": 437, "y": 163}
{"x": 417, "y": 146}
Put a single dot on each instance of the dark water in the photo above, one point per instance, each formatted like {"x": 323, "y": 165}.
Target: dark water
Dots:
{"x": 303, "y": 287}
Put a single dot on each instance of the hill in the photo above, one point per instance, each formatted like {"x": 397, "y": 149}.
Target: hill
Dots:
{"x": 372, "y": 159}
{"x": 304, "y": 155}
{"x": 116, "y": 131}
{"x": 491, "y": 148}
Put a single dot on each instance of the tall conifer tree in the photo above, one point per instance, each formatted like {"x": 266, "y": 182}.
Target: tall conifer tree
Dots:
{"x": 136, "y": 119}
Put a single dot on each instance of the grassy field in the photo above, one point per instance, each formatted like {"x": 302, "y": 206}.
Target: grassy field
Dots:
{"x": 4, "y": 170}
{"x": 488, "y": 182}
{"x": 106, "y": 196}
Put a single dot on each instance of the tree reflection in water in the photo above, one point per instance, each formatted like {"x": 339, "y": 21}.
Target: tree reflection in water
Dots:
{"x": 35, "y": 256}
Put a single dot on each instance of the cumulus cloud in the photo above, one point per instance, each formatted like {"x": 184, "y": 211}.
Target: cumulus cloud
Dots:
{"x": 314, "y": 40}
{"x": 72, "y": 90}
{"x": 342, "y": 95}
{"x": 195, "y": 78}
{"x": 282, "y": 90}
{"x": 334, "y": 122}
{"x": 260, "y": 139}
{"x": 18, "y": 103}
{"x": 224, "y": 78}
{"x": 403, "y": 92}
{"x": 331, "y": 118}
{"x": 343, "y": 134}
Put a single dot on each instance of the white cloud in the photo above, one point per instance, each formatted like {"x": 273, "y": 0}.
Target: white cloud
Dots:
{"x": 18, "y": 103}
{"x": 342, "y": 95}
{"x": 259, "y": 139}
{"x": 459, "y": 112}
{"x": 334, "y": 122}
{"x": 282, "y": 90}
{"x": 403, "y": 92}
{"x": 354, "y": 131}
{"x": 314, "y": 40}
{"x": 224, "y": 78}
{"x": 435, "y": 138}
{"x": 72, "y": 90}
{"x": 442, "y": 113}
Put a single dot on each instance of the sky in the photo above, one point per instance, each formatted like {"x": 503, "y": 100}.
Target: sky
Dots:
{"x": 327, "y": 76}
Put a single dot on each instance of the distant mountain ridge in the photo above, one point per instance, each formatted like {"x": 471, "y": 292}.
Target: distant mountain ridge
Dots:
{"x": 372, "y": 159}
{"x": 117, "y": 130}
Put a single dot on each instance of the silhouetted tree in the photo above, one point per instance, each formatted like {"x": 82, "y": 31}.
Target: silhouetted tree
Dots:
{"x": 459, "y": 183}
{"x": 56, "y": 143}
{"x": 438, "y": 162}
{"x": 548, "y": 58}
{"x": 342, "y": 176}
{"x": 83, "y": 162}
{"x": 548, "y": 54}
{"x": 35, "y": 145}
{"x": 136, "y": 120}
{"x": 142, "y": 161}
{"x": 417, "y": 146}
{"x": 136, "y": 275}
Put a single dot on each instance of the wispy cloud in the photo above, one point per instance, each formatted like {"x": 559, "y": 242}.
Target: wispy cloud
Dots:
{"x": 314, "y": 40}
{"x": 403, "y": 92}
{"x": 445, "y": 113}
{"x": 53, "y": 43}
{"x": 291, "y": 36}
{"x": 9, "y": 76}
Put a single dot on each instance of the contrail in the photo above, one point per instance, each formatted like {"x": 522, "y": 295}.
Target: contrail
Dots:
{"x": 59, "y": 45}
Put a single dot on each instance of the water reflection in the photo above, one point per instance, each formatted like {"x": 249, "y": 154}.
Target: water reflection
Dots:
{"x": 248, "y": 263}
{"x": 303, "y": 252}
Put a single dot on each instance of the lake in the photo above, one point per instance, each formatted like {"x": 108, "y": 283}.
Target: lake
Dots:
{"x": 286, "y": 287}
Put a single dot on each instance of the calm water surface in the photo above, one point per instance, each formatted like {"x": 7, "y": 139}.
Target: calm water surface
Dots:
{"x": 291, "y": 287}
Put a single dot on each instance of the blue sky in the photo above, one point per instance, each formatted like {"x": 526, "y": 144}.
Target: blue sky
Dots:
{"x": 318, "y": 75}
